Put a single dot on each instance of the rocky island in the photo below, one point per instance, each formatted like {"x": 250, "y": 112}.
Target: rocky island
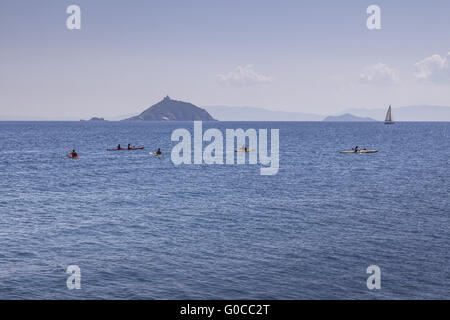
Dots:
{"x": 173, "y": 110}
{"x": 95, "y": 119}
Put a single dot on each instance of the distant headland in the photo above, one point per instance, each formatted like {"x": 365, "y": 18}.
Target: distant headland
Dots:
{"x": 347, "y": 117}
{"x": 173, "y": 110}
{"x": 95, "y": 119}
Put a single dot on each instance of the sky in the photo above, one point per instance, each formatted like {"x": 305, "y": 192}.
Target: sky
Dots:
{"x": 298, "y": 56}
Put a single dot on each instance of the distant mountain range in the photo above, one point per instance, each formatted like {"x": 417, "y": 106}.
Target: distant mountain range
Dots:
{"x": 347, "y": 117}
{"x": 173, "y": 110}
{"x": 95, "y": 119}
{"x": 409, "y": 113}
{"x": 223, "y": 113}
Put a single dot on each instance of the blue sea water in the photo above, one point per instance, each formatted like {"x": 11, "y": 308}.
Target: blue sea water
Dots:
{"x": 140, "y": 227}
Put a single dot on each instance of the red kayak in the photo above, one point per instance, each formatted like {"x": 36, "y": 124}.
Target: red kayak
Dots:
{"x": 72, "y": 157}
{"x": 124, "y": 149}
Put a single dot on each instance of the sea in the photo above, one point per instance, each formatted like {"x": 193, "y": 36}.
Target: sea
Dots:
{"x": 140, "y": 227}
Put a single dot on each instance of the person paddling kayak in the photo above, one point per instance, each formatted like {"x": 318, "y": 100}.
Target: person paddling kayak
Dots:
{"x": 73, "y": 155}
{"x": 118, "y": 147}
{"x": 356, "y": 149}
{"x": 129, "y": 147}
{"x": 158, "y": 153}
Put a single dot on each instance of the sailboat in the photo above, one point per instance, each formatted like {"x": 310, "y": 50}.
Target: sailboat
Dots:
{"x": 389, "y": 119}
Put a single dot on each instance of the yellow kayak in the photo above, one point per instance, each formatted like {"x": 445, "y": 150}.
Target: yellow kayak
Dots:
{"x": 360, "y": 151}
{"x": 155, "y": 154}
{"x": 248, "y": 150}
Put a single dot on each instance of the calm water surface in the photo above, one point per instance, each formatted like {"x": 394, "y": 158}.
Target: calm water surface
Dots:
{"x": 140, "y": 227}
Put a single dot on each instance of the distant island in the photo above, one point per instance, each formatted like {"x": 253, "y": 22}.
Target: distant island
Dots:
{"x": 95, "y": 119}
{"x": 173, "y": 110}
{"x": 347, "y": 117}
{"x": 408, "y": 113}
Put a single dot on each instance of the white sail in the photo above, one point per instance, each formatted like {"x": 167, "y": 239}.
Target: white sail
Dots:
{"x": 389, "y": 118}
{"x": 388, "y": 115}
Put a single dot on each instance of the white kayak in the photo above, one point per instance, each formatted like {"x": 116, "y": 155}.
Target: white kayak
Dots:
{"x": 360, "y": 151}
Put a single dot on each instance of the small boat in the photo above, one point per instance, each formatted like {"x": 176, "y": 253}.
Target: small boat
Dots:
{"x": 389, "y": 119}
{"x": 126, "y": 149}
{"x": 359, "y": 151}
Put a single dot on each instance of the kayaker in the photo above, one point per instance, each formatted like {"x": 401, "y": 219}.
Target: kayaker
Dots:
{"x": 159, "y": 152}
{"x": 356, "y": 149}
{"x": 118, "y": 146}
{"x": 129, "y": 146}
{"x": 74, "y": 154}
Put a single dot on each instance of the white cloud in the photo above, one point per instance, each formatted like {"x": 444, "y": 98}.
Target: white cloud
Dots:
{"x": 379, "y": 74}
{"x": 434, "y": 68}
{"x": 244, "y": 76}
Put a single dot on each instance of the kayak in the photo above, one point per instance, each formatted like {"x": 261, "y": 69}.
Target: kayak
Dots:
{"x": 244, "y": 150}
{"x": 69, "y": 155}
{"x": 155, "y": 154}
{"x": 124, "y": 149}
{"x": 360, "y": 151}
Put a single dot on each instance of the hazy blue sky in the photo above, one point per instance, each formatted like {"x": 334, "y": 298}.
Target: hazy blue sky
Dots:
{"x": 305, "y": 56}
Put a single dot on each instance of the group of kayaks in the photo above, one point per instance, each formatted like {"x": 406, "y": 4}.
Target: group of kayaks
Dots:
{"x": 354, "y": 150}
{"x": 74, "y": 154}
{"x": 158, "y": 153}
